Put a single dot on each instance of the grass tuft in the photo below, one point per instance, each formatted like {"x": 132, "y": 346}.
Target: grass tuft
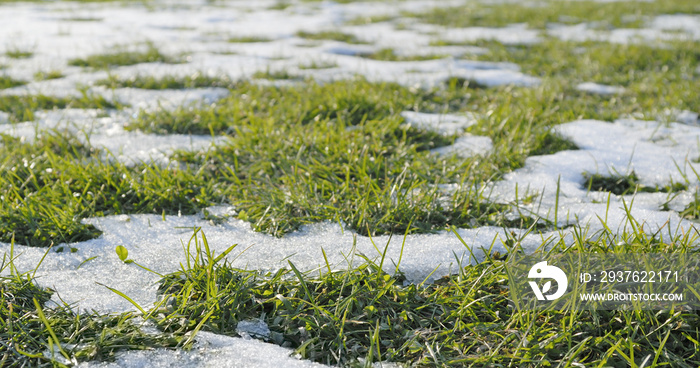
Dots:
{"x": 249, "y": 39}
{"x": 274, "y": 75}
{"x": 17, "y": 53}
{"x": 359, "y": 21}
{"x": 124, "y": 57}
{"x": 48, "y": 186}
{"x": 331, "y": 35}
{"x": 47, "y": 75}
{"x": 388, "y": 54}
{"x": 626, "y": 184}
{"x": 8, "y": 82}
{"x": 22, "y": 107}
{"x": 552, "y": 143}
{"x": 196, "y": 80}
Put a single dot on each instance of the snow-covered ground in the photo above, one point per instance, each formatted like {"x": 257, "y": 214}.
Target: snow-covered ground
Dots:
{"x": 658, "y": 153}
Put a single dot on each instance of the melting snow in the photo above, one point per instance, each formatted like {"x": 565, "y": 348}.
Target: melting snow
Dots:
{"x": 446, "y": 124}
{"x": 467, "y": 146}
{"x": 688, "y": 117}
{"x": 211, "y": 350}
{"x": 600, "y": 89}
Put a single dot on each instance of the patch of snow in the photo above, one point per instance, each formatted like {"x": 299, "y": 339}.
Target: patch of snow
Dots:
{"x": 657, "y": 153}
{"x": 4, "y": 117}
{"x": 210, "y": 350}
{"x": 677, "y": 22}
{"x": 446, "y": 124}
{"x": 451, "y": 124}
{"x": 688, "y": 117}
{"x": 163, "y": 99}
{"x": 517, "y": 34}
{"x": 600, "y": 89}
{"x": 467, "y": 146}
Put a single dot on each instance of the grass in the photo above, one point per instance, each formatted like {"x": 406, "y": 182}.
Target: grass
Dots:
{"x": 312, "y": 176}
{"x": 196, "y": 80}
{"x": 22, "y": 107}
{"x": 318, "y": 65}
{"x": 82, "y": 19}
{"x": 9, "y": 82}
{"x": 330, "y": 35}
{"x": 349, "y": 101}
{"x": 123, "y": 57}
{"x": 627, "y": 14}
{"x": 48, "y": 75}
{"x": 388, "y": 54}
{"x": 248, "y": 39}
{"x": 280, "y": 5}
{"x": 49, "y": 185}
{"x": 18, "y": 53}
{"x": 551, "y": 143}
{"x": 597, "y": 62}
{"x": 369, "y": 20}
{"x": 281, "y": 74}
{"x": 626, "y": 184}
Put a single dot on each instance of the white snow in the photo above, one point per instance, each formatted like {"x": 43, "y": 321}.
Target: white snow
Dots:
{"x": 688, "y": 117}
{"x": 148, "y": 238}
{"x": 467, "y": 146}
{"x": 210, "y": 350}
{"x": 599, "y": 89}
{"x": 513, "y": 35}
{"x": 446, "y": 124}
